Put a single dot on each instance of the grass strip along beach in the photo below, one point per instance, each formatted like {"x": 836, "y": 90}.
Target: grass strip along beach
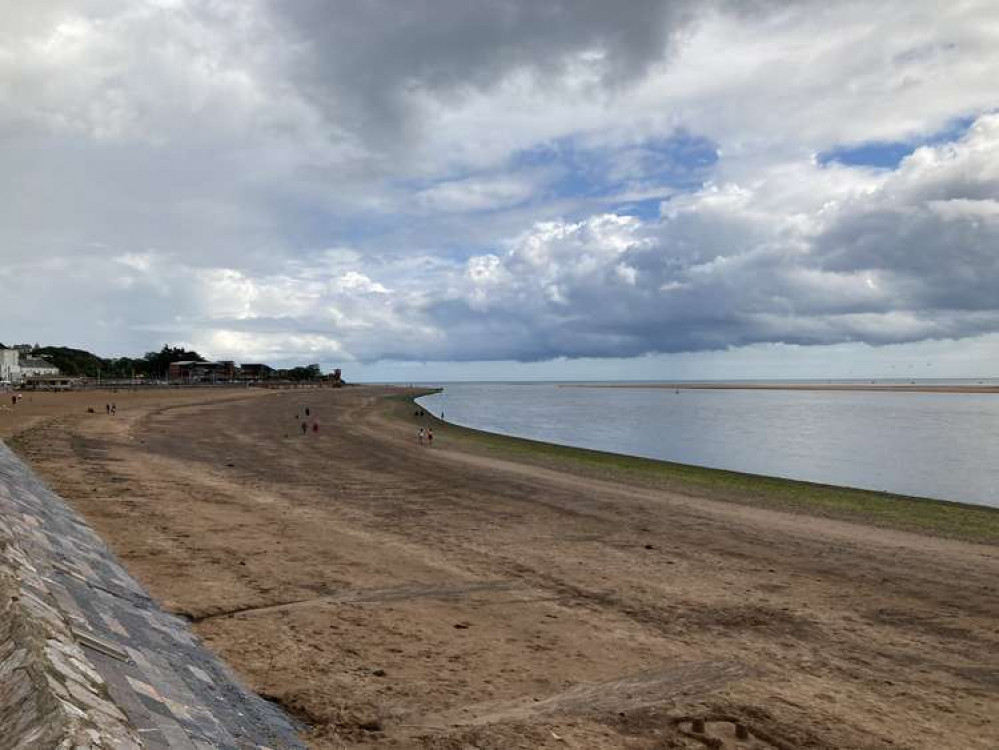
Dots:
{"x": 966, "y": 521}
{"x": 491, "y": 592}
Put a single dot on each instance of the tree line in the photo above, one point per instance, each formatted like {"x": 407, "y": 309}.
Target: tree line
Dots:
{"x": 84, "y": 364}
{"x": 154, "y": 365}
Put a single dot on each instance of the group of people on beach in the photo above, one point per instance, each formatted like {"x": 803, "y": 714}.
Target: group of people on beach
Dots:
{"x": 111, "y": 409}
{"x": 305, "y": 422}
{"x": 424, "y": 435}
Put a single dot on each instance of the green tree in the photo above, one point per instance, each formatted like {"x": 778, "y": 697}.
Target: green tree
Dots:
{"x": 311, "y": 372}
{"x": 73, "y": 362}
{"x": 157, "y": 363}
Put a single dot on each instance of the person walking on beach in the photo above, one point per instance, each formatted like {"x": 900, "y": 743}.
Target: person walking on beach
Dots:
{"x": 419, "y": 437}
{"x": 315, "y": 427}
{"x": 107, "y": 408}
{"x": 305, "y": 427}
{"x": 430, "y": 437}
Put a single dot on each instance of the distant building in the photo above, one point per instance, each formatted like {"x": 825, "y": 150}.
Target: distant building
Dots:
{"x": 37, "y": 367}
{"x": 48, "y": 382}
{"x": 191, "y": 371}
{"x": 10, "y": 370}
{"x": 255, "y": 371}
{"x": 16, "y": 365}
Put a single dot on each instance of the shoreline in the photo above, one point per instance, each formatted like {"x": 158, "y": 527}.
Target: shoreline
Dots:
{"x": 872, "y": 387}
{"x": 952, "y": 518}
{"x": 496, "y": 592}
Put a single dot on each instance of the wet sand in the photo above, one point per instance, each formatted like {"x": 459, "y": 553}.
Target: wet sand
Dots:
{"x": 398, "y": 596}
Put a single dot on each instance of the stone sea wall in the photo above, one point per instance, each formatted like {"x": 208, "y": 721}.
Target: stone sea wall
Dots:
{"x": 87, "y": 658}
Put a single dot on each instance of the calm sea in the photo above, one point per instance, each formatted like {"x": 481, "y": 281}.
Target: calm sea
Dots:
{"x": 939, "y": 445}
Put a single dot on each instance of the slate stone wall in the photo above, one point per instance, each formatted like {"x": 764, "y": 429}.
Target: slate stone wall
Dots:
{"x": 87, "y": 659}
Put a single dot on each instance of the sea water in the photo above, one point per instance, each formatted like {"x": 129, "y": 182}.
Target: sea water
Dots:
{"x": 939, "y": 445}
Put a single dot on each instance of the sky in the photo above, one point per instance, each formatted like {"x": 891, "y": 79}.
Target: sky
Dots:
{"x": 568, "y": 189}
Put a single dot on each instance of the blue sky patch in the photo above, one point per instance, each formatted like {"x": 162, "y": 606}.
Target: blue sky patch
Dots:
{"x": 879, "y": 155}
{"x": 680, "y": 161}
{"x": 646, "y": 210}
{"x": 889, "y": 154}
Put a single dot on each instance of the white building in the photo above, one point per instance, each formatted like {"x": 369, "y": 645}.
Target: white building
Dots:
{"x": 15, "y": 366}
{"x": 33, "y": 366}
{"x": 10, "y": 370}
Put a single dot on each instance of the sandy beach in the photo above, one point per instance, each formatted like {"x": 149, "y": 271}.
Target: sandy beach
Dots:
{"x": 473, "y": 596}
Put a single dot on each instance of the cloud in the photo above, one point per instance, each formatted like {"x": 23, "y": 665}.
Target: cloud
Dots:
{"x": 475, "y": 194}
{"x": 879, "y": 258}
{"x": 519, "y": 180}
{"x": 933, "y": 226}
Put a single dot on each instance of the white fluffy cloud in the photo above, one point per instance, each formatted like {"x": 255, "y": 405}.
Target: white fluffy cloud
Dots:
{"x": 880, "y": 257}
{"x": 490, "y": 182}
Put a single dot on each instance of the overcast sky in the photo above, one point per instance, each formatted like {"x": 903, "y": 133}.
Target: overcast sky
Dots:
{"x": 438, "y": 189}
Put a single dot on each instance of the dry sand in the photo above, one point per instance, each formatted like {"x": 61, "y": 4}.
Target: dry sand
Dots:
{"x": 405, "y": 597}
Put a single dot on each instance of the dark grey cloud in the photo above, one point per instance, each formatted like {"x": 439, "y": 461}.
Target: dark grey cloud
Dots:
{"x": 370, "y": 66}
{"x": 381, "y": 47}
{"x": 363, "y": 62}
{"x": 944, "y": 256}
